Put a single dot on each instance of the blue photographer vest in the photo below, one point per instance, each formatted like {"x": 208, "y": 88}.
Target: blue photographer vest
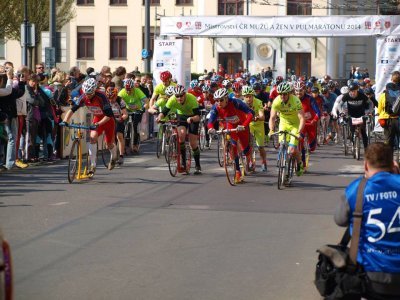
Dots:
{"x": 379, "y": 248}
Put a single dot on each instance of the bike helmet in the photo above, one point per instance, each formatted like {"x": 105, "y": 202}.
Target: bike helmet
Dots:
{"x": 169, "y": 91}
{"x": 309, "y": 84}
{"x": 350, "y": 81}
{"x": 166, "y": 75}
{"x": 129, "y": 84}
{"x": 313, "y": 79}
{"x": 237, "y": 87}
{"x": 206, "y": 88}
{"x": 226, "y": 82}
{"x": 248, "y": 90}
{"x": 284, "y": 87}
{"x": 353, "y": 86}
{"x": 220, "y": 93}
{"x": 257, "y": 86}
{"x": 179, "y": 90}
{"x": 324, "y": 89}
{"x": 344, "y": 90}
{"x": 315, "y": 90}
{"x": 266, "y": 81}
{"x": 369, "y": 91}
{"x": 89, "y": 86}
{"x": 252, "y": 80}
{"x": 293, "y": 78}
{"x": 194, "y": 83}
{"x": 367, "y": 80}
{"x": 299, "y": 85}
{"x": 111, "y": 92}
{"x": 331, "y": 84}
{"x": 278, "y": 79}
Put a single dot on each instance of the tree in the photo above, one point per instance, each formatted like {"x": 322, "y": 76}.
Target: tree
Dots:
{"x": 12, "y": 16}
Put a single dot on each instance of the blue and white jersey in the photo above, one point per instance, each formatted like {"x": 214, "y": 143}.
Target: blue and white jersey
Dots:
{"x": 379, "y": 247}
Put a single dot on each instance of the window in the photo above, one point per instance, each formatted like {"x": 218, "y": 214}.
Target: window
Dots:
{"x": 2, "y": 48}
{"x": 388, "y": 7}
{"x": 118, "y": 2}
{"x": 299, "y": 7}
{"x": 85, "y": 42}
{"x": 118, "y": 43}
{"x": 230, "y": 7}
{"x": 85, "y": 2}
{"x": 180, "y": 2}
{"x": 153, "y": 2}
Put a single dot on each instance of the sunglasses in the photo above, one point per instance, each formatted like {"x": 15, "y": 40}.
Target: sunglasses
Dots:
{"x": 219, "y": 100}
{"x": 39, "y": 67}
{"x": 179, "y": 96}
{"x": 284, "y": 94}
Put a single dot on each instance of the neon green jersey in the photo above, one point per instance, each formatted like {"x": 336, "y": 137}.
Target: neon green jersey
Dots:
{"x": 288, "y": 112}
{"x": 256, "y": 107}
{"x": 135, "y": 100}
{"x": 159, "y": 90}
{"x": 185, "y": 109}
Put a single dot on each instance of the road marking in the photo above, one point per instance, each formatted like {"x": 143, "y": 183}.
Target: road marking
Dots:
{"x": 59, "y": 203}
{"x": 351, "y": 171}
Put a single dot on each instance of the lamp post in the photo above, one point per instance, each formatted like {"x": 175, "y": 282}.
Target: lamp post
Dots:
{"x": 52, "y": 27}
{"x": 147, "y": 35}
{"x": 247, "y": 40}
{"x": 25, "y": 38}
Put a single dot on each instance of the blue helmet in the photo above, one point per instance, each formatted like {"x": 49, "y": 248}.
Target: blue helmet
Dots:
{"x": 194, "y": 83}
{"x": 252, "y": 80}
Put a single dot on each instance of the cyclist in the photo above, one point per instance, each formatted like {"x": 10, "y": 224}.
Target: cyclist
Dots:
{"x": 257, "y": 125}
{"x": 236, "y": 115}
{"x": 311, "y": 116}
{"x": 329, "y": 100}
{"x": 264, "y": 97}
{"x": 188, "y": 114}
{"x": 274, "y": 92}
{"x": 291, "y": 118}
{"x": 237, "y": 90}
{"x": 159, "y": 90}
{"x": 118, "y": 107}
{"x": 357, "y": 106}
{"x": 136, "y": 102}
{"x": 98, "y": 104}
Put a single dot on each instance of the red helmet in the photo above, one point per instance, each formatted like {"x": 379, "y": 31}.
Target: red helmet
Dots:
{"x": 237, "y": 86}
{"x": 279, "y": 79}
{"x": 299, "y": 85}
{"x": 129, "y": 84}
{"x": 166, "y": 75}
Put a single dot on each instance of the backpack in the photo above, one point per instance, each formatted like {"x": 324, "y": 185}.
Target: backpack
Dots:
{"x": 392, "y": 102}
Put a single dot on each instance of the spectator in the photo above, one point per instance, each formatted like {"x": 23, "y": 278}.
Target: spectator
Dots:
{"x": 118, "y": 78}
{"x": 386, "y": 119}
{"x": 268, "y": 73}
{"x": 357, "y": 74}
{"x": 39, "y": 68}
{"x": 3, "y": 137}
{"x": 366, "y": 73}
{"x": 221, "y": 70}
{"x": 8, "y": 105}
{"x": 352, "y": 71}
{"x": 379, "y": 244}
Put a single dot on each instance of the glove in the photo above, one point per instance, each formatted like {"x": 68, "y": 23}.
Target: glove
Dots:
{"x": 211, "y": 131}
{"x": 240, "y": 128}
{"x": 334, "y": 114}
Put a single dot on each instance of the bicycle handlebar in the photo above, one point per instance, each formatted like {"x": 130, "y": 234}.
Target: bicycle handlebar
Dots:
{"x": 226, "y": 131}
{"x": 285, "y": 132}
{"x": 78, "y": 126}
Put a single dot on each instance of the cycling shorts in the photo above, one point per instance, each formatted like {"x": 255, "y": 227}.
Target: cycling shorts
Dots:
{"x": 120, "y": 127}
{"x": 258, "y": 131}
{"x": 293, "y": 130}
{"x": 108, "y": 129}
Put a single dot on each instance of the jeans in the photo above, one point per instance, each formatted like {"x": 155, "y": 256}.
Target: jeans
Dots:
{"x": 12, "y": 131}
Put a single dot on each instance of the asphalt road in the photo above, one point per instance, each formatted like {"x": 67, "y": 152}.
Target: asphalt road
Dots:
{"x": 137, "y": 233}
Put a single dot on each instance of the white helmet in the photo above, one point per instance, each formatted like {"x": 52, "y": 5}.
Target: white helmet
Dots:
{"x": 225, "y": 82}
{"x": 220, "y": 93}
{"x": 89, "y": 86}
{"x": 169, "y": 91}
{"x": 344, "y": 90}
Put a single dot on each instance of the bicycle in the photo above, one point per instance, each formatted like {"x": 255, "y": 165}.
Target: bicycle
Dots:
{"x": 129, "y": 132}
{"x": 322, "y": 133}
{"x": 304, "y": 149}
{"x": 173, "y": 154}
{"x": 345, "y": 128}
{"x": 286, "y": 163}
{"x": 356, "y": 147}
{"x": 275, "y": 139}
{"x": 6, "y": 271}
{"x": 105, "y": 152}
{"x": 78, "y": 162}
{"x": 202, "y": 129}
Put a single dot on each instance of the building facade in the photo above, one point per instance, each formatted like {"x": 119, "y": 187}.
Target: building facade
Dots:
{"x": 111, "y": 32}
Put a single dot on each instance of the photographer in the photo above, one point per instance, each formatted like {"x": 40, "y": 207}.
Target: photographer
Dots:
{"x": 378, "y": 251}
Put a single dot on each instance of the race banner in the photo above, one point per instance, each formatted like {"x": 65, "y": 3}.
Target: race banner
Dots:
{"x": 281, "y": 26}
{"x": 175, "y": 56}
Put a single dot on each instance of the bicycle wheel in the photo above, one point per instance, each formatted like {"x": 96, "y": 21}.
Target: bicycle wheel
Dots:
{"x": 358, "y": 148}
{"x": 281, "y": 167}
{"x": 131, "y": 136}
{"x": 73, "y": 161}
{"x": 345, "y": 144}
{"x": 188, "y": 158}
{"x": 105, "y": 153}
{"x": 202, "y": 136}
{"x": 6, "y": 273}
{"x": 229, "y": 162}
{"x": 275, "y": 141}
{"x": 159, "y": 144}
{"x": 307, "y": 155}
{"x": 172, "y": 155}
{"x": 291, "y": 167}
{"x": 220, "y": 152}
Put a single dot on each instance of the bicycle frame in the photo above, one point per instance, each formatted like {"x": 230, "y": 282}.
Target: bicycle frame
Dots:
{"x": 285, "y": 161}
{"x": 6, "y": 272}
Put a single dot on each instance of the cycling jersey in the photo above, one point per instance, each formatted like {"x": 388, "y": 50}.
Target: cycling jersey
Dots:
{"x": 117, "y": 108}
{"x": 310, "y": 108}
{"x": 235, "y": 113}
{"x": 356, "y": 106}
{"x": 289, "y": 110}
{"x": 159, "y": 89}
{"x": 189, "y": 108}
{"x": 134, "y": 100}
{"x": 330, "y": 101}
{"x": 274, "y": 92}
{"x": 257, "y": 127}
